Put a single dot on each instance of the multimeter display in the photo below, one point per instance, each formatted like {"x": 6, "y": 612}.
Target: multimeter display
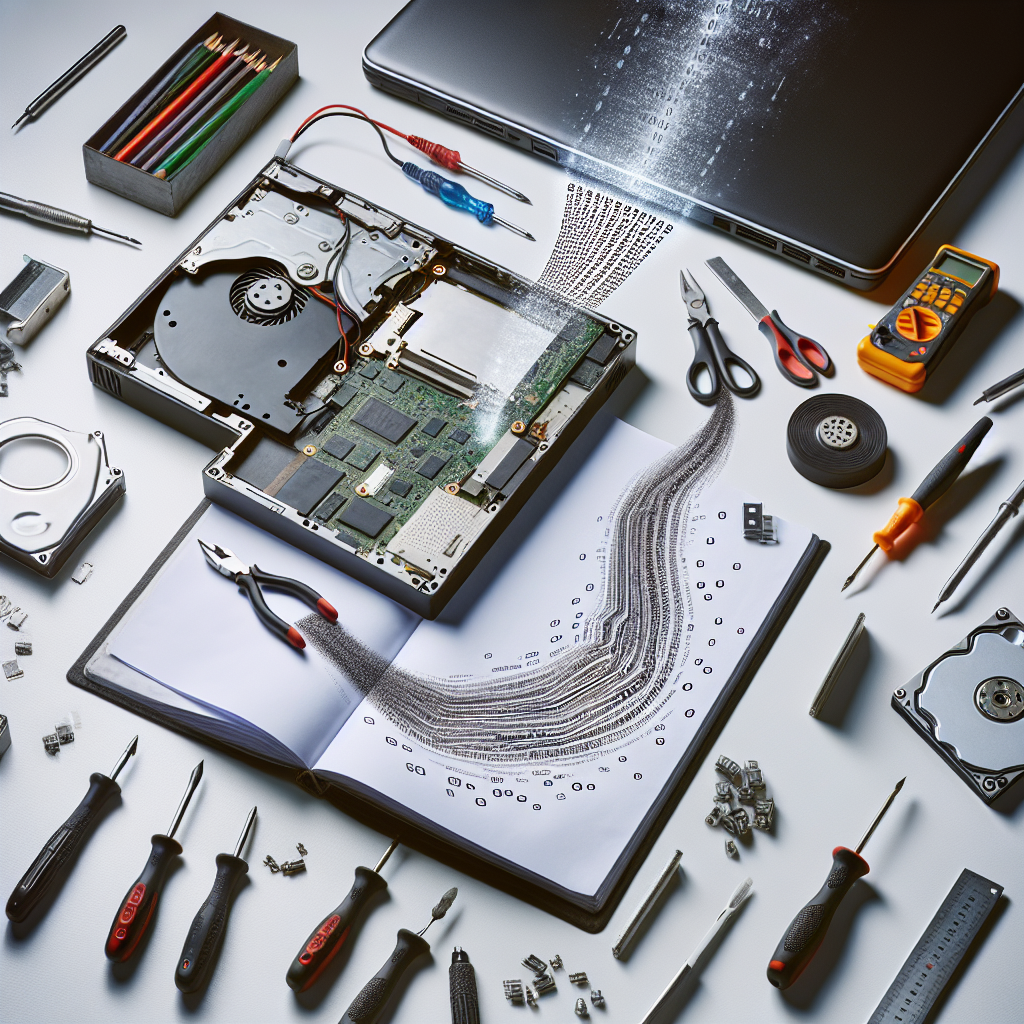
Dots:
{"x": 917, "y": 332}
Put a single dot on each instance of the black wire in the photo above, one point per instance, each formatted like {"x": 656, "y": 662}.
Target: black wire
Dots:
{"x": 358, "y": 117}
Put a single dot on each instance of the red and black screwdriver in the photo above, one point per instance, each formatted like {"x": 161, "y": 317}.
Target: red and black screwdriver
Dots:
{"x": 66, "y": 843}
{"x": 330, "y": 935}
{"x": 803, "y": 937}
{"x": 207, "y": 931}
{"x": 137, "y": 907}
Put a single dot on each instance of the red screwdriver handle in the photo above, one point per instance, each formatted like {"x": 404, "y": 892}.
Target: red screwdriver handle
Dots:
{"x": 805, "y": 934}
{"x": 137, "y": 907}
{"x": 330, "y": 934}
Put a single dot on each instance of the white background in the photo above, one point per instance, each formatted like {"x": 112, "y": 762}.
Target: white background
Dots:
{"x": 827, "y": 779}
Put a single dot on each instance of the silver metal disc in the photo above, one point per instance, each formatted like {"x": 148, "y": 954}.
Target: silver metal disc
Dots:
{"x": 837, "y": 432}
{"x": 1001, "y": 699}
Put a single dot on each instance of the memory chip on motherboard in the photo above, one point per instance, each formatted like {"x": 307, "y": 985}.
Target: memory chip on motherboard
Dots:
{"x": 383, "y": 420}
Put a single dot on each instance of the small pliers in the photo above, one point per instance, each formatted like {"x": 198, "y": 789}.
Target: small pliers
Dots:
{"x": 251, "y": 578}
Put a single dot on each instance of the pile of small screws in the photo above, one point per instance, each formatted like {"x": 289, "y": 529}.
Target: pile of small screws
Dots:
{"x": 744, "y": 786}
{"x": 288, "y": 867}
{"x": 543, "y": 982}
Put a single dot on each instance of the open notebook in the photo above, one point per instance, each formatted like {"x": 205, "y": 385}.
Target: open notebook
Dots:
{"x": 570, "y": 701}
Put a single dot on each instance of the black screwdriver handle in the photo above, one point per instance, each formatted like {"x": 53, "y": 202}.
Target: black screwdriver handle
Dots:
{"x": 137, "y": 907}
{"x": 63, "y": 846}
{"x": 367, "y": 1007}
{"x": 207, "y": 931}
{"x": 330, "y": 934}
{"x": 941, "y": 478}
{"x": 805, "y": 934}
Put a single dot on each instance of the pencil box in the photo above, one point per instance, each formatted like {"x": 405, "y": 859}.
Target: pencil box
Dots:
{"x": 170, "y": 196}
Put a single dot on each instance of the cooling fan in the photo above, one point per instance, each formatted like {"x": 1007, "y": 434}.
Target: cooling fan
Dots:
{"x": 263, "y": 297}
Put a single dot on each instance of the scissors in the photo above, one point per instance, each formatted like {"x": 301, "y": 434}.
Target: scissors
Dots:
{"x": 798, "y": 358}
{"x": 711, "y": 355}
{"x": 251, "y": 578}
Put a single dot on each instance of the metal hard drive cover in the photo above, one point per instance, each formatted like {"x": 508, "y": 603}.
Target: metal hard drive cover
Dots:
{"x": 942, "y": 703}
{"x": 41, "y": 525}
{"x": 788, "y": 125}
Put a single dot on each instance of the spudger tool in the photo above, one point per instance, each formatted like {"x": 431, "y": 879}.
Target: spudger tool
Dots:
{"x": 207, "y": 931}
{"x": 798, "y": 357}
{"x": 1001, "y": 387}
{"x": 711, "y": 355}
{"x": 797, "y": 947}
{"x": 367, "y": 1007}
{"x": 252, "y": 578}
{"x": 137, "y": 907}
{"x": 67, "y": 841}
{"x": 934, "y": 485}
{"x": 330, "y": 935}
{"x": 57, "y": 218}
{"x": 728, "y": 913}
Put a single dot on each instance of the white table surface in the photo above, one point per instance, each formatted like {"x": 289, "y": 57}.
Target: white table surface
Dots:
{"x": 827, "y": 779}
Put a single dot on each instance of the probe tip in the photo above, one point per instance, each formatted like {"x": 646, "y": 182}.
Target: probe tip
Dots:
{"x": 24, "y": 117}
{"x": 936, "y": 605}
{"x": 979, "y": 401}
{"x": 899, "y": 785}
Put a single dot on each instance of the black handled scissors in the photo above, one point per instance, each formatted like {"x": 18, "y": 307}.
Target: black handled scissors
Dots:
{"x": 711, "y": 355}
{"x": 250, "y": 578}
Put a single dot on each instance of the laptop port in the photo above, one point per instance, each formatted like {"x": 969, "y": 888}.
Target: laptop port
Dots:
{"x": 487, "y": 126}
{"x": 795, "y": 254}
{"x": 830, "y": 268}
{"x": 455, "y": 112}
{"x": 755, "y": 236}
{"x": 543, "y": 149}
{"x": 721, "y": 222}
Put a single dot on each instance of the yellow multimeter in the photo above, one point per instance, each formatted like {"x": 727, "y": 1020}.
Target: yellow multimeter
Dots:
{"x": 918, "y": 331}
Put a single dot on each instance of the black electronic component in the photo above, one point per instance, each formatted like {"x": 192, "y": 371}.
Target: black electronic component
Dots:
{"x": 363, "y": 457}
{"x": 392, "y": 381}
{"x": 604, "y": 348}
{"x": 308, "y": 485}
{"x": 369, "y": 371}
{"x": 433, "y": 465}
{"x": 434, "y": 427}
{"x": 262, "y": 466}
{"x": 365, "y": 517}
{"x": 344, "y": 395}
{"x": 383, "y": 420}
{"x": 400, "y": 487}
{"x": 587, "y": 374}
{"x": 338, "y": 446}
{"x": 836, "y": 440}
{"x": 506, "y": 469}
{"x": 459, "y": 436}
{"x": 328, "y": 507}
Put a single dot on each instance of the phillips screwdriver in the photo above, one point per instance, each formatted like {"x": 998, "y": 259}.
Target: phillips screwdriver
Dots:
{"x": 452, "y": 194}
{"x": 56, "y": 218}
{"x": 137, "y": 907}
{"x": 207, "y": 931}
{"x": 330, "y": 934}
{"x": 805, "y": 934}
{"x": 367, "y": 1007}
{"x": 934, "y": 485}
{"x": 65, "y": 844}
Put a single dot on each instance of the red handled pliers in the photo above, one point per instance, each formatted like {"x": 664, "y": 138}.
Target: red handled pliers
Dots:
{"x": 250, "y": 578}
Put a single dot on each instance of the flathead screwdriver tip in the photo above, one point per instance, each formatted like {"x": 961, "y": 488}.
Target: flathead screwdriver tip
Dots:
{"x": 24, "y": 117}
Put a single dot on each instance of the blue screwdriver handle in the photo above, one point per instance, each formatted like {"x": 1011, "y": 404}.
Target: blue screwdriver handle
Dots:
{"x": 449, "y": 192}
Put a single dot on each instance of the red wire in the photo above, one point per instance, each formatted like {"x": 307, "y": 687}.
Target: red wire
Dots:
{"x": 345, "y": 106}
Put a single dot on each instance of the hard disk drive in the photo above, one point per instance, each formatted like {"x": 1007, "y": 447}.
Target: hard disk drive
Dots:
{"x": 377, "y": 395}
{"x": 969, "y": 705}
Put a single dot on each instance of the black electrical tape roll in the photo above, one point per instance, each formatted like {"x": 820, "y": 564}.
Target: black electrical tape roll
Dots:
{"x": 823, "y": 447}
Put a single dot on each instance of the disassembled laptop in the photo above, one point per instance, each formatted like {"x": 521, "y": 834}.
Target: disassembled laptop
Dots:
{"x": 379, "y": 396}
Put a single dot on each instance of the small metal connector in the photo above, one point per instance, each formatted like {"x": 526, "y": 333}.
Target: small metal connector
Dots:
{"x": 579, "y": 978}
{"x": 514, "y": 991}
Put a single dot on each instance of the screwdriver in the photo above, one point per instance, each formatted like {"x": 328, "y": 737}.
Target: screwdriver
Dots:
{"x": 367, "y": 1007}
{"x": 55, "y": 217}
{"x": 803, "y": 937}
{"x": 65, "y": 844}
{"x": 451, "y": 193}
{"x": 207, "y": 931}
{"x": 934, "y": 485}
{"x": 137, "y": 907}
{"x": 330, "y": 934}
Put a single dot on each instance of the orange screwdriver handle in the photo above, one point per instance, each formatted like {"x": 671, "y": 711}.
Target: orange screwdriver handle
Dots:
{"x": 908, "y": 513}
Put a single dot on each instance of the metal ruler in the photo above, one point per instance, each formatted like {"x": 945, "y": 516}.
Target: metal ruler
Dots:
{"x": 938, "y": 952}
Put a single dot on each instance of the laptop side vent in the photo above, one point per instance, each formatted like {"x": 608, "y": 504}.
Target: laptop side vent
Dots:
{"x": 105, "y": 378}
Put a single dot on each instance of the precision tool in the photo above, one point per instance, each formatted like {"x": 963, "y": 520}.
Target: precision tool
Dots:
{"x": 1001, "y": 387}
{"x": 367, "y": 1007}
{"x": 57, "y": 218}
{"x": 73, "y": 74}
{"x": 252, "y": 578}
{"x": 137, "y": 907}
{"x": 646, "y": 905}
{"x": 711, "y": 354}
{"x": 462, "y": 988}
{"x": 65, "y": 844}
{"x": 798, "y": 358}
{"x": 207, "y": 931}
{"x": 728, "y": 913}
{"x": 934, "y": 485}
{"x": 330, "y": 934}
{"x": 938, "y": 952}
{"x": 797, "y": 947}
{"x": 1007, "y": 510}
{"x": 910, "y": 340}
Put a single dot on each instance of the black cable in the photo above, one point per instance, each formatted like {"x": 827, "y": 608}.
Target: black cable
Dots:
{"x": 358, "y": 117}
